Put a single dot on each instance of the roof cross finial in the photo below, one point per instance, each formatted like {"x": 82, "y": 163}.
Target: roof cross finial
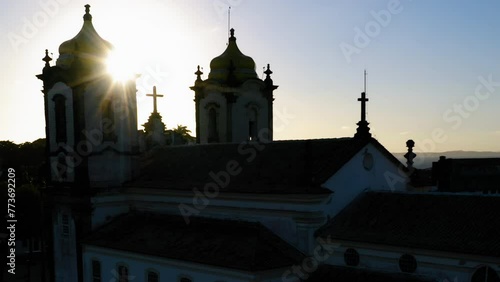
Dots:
{"x": 363, "y": 130}
{"x": 154, "y": 95}
{"x": 363, "y": 101}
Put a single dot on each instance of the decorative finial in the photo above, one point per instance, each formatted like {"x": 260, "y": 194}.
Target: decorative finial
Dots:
{"x": 198, "y": 74}
{"x": 410, "y": 155}
{"x": 268, "y": 72}
{"x": 231, "y": 31}
{"x": 47, "y": 59}
{"x": 87, "y": 16}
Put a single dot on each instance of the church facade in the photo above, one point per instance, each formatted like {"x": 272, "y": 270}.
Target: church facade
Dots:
{"x": 237, "y": 206}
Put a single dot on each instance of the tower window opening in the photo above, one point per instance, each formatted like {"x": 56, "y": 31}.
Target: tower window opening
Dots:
{"x": 108, "y": 121}
{"x": 252, "y": 124}
{"x": 60, "y": 118}
{"x": 213, "y": 134}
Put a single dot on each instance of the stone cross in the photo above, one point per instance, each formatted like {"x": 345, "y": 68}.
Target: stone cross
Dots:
{"x": 363, "y": 101}
{"x": 154, "y": 95}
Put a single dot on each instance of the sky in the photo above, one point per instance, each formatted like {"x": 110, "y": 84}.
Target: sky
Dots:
{"x": 433, "y": 66}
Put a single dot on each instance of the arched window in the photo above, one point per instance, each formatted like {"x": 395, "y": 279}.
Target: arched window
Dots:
{"x": 122, "y": 273}
{"x": 96, "y": 271}
{"x": 60, "y": 118}
{"x": 213, "y": 133}
{"x": 152, "y": 276}
{"x": 108, "y": 121}
{"x": 485, "y": 274}
{"x": 252, "y": 124}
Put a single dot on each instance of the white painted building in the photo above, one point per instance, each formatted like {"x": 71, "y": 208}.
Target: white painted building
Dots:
{"x": 245, "y": 208}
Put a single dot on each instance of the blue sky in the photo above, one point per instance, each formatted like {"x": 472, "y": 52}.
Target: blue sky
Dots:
{"x": 433, "y": 66}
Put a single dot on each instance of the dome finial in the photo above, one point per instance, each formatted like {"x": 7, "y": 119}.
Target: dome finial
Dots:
{"x": 87, "y": 16}
{"x": 232, "y": 34}
{"x": 198, "y": 74}
{"x": 47, "y": 59}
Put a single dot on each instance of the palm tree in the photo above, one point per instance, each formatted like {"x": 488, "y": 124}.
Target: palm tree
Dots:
{"x": 184, "y": 133}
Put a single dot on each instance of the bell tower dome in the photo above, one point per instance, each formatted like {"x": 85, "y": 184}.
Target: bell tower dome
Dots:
{"x": 233, "y": 104}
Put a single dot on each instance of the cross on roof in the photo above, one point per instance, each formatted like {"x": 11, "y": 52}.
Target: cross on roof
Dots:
{"x": 363, "y": 131}
{"x": 363, "y": 101}
{"x": 154, "y": 95}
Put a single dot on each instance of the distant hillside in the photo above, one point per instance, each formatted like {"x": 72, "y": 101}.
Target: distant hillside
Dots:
{"x": 424, "y": 160}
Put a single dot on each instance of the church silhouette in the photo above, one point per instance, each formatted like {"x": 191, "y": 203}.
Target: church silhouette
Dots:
{"x": 237, "y": 206}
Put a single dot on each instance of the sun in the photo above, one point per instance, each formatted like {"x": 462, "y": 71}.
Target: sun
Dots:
{"x": 119, "y": 66}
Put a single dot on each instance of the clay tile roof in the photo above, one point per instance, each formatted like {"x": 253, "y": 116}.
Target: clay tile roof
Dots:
{"x": 279, "y": 167}
{"x": 225, "y": 243}
{"x": 466, "y": 224}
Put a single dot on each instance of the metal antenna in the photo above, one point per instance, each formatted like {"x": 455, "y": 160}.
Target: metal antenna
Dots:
{"x": 365, "y": 80}
{"x": 228, "y": 24}
{"x": 366, "y": 113}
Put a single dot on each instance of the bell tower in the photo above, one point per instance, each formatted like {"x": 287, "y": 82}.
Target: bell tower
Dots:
{"x": 91, "y": 140}
{"x": 91, "y": 120}
{"x": 233, "y": 104}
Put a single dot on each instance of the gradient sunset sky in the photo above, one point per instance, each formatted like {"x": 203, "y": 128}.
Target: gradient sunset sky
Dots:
{"x": 433, "y": 66}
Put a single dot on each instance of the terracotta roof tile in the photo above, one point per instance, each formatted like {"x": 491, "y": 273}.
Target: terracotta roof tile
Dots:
{"x": 468, "y": 224}
{"x": 279, "y": 167}
{"x": 226, "y": 243}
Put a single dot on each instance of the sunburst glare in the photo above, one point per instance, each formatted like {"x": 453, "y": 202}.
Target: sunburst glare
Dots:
{"x": 120, "y": 66}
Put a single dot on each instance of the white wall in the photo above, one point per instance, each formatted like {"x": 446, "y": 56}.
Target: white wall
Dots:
{"x": 65, "y": 256}
{"x": 441, "y": 266}
{"x": 169, "y": 270}
{"x": 353, "y": 178}
{"x": 248, "y": 93}
{"x": 110, "y": 163}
